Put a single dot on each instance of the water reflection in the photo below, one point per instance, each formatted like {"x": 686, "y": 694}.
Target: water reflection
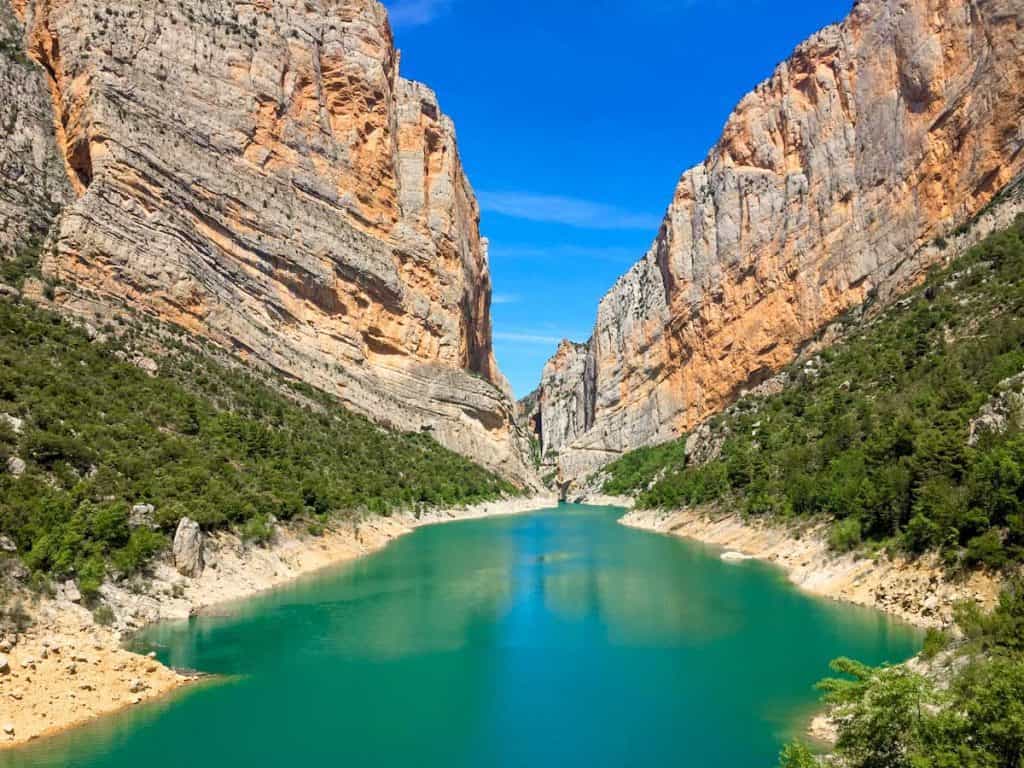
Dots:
{"x": 555, "y": 639}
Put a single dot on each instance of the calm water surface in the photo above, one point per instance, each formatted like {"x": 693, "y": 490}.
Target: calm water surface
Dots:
{"x": 553, "y": 639}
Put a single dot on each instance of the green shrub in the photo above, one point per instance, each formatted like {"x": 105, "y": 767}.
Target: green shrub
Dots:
{"x": 987, "y": 550}
{"x": 796, "y": 754}
{"x": 13, "y": 616}
{"x": 257, "y": 530}
{"x": 935, "y": 642}
{"x": 845, "y": 535}
{"x": 103, "y": 615}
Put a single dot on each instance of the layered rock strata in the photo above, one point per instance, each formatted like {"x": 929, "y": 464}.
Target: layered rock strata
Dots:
{"x": 260, "y": 174}
{"x": 835, "y": 181}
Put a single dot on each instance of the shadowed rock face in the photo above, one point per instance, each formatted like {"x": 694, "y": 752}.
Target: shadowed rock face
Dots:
{"x": 829, "y": 185}
{"x": 260, "y": 174}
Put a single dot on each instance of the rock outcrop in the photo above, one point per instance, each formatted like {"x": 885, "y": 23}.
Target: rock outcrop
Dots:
{"x": 565, "y": 402}
{"x": 188, "y": 548}
{"x": 835, "y": 181}
{"x": 1003, "y": 412}
{"x": 261, "y": 175}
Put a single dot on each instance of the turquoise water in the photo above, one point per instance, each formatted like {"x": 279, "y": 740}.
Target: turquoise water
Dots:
{"x": 553, "y": 639}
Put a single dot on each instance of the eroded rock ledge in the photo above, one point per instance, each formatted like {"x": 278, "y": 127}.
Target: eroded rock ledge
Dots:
{"x": 917, "y": 591}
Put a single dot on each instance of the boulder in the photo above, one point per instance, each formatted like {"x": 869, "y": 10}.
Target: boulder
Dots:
{"x": 142, "y": 517}
{"x": 17, "y": 570}
{"x": 7, "y": 544}
{"x": 188, "y": 548}
{"x": 16, "y": 466}
{"x": 1003, "y": 411}
{"x": 69, "y": 591}
{"x": 148, "y": 365}
{"x": 5, "y": 665}
{"x": 16, "y": 424}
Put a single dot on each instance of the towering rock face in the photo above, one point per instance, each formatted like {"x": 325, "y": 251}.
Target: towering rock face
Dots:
{"x": 260, "y": 174}
{"x": 829, "y": 185}
{"x": 565, "y": 403}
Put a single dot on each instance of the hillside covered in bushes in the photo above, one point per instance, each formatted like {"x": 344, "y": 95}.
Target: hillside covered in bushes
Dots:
{"x": 90, "y": 427}
{"x": 906, "y": 434}
{"x": 961, "y": 705}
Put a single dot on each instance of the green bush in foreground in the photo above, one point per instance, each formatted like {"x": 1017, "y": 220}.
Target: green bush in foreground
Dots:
{"x": 891, "y": 717}
{"x": 201, "y": 439}
{"x": 797, "y": 755}
{"x": 876, "y": 435}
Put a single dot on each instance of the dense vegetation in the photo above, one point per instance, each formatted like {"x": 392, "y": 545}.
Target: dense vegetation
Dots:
{"x": 894, "y": 717}
{"x": 873, "y": 433}
{"x": 202, "y": 439}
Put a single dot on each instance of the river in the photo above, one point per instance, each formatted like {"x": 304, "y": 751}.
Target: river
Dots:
{"x": 556, "y": 638}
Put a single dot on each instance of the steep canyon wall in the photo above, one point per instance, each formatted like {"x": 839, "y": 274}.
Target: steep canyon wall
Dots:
{"x": 833, "y": 182}
{"x": 260, "y": 174}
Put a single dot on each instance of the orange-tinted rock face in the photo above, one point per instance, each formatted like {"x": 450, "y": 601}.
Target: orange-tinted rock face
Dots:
{"x": 259, "y": 173}
{"x": 830, "y": 180}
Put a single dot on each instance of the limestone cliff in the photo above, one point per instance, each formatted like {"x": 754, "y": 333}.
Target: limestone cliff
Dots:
{"x": 33, "y": 183}
{"x": 260, "y": 174}
{"x": 833, "y": 182}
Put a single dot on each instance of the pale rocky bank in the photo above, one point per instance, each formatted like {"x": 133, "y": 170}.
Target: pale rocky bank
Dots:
{"x": 841, "y": 178}
{"x": 66, "y": 669}
{"x": 917, "y": 591}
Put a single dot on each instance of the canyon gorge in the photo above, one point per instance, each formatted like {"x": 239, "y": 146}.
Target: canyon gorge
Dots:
{"x": 318, "y": 220}
{"x": 247, "y": 307}
{"x": 836, "y": 182}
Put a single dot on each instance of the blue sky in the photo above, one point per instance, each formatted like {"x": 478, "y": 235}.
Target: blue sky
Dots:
{"x": 575, "y": 120}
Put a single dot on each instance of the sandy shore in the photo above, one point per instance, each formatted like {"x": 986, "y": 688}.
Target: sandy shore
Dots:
{"x": 66, "y": 669}
{"x": 913, "y": 590}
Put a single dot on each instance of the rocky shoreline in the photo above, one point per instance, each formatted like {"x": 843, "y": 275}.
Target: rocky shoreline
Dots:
{"x": 915, "y": 591}
{"x": 66, "y": 669}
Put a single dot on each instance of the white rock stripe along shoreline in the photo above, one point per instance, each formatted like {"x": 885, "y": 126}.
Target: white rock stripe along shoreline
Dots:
{"x": 67, "y": 670}
{"x": 915, "y": 591}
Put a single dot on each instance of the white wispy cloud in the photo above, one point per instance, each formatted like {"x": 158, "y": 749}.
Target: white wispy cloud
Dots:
{"x": 571, "y": 211}
{"x": 530, "y": 337}
{"x": 505, "y": 298}
{"x": 527, "y": 338}
{"x": 415, "y": 13}
{"x": 612, "y": 253}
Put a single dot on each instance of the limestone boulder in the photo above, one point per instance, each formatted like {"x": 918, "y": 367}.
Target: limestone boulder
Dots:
{"x": 188, "y": 548}
{"x": 142, "y": 516}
